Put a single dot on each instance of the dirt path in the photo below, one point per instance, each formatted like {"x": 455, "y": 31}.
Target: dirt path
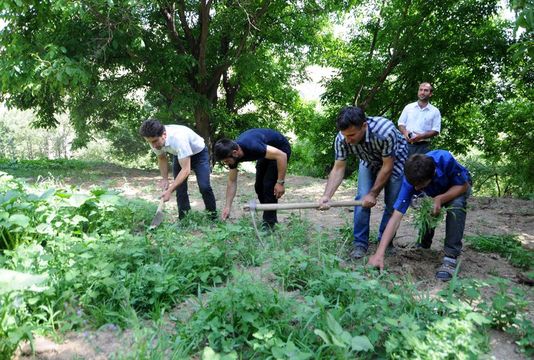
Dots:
{"x": 489, "y": 216}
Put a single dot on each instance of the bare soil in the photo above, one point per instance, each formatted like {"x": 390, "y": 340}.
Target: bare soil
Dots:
{"x": 487, "y": 216}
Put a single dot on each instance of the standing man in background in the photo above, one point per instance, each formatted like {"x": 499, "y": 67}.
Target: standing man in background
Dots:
{"x": 420, "y": 121}
{"x": 271, "y": 150}
{"x": 382, "y": 151}
{"x": 188, "y": 152}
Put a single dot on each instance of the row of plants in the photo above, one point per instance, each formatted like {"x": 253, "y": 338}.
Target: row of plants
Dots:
{"x": 100, "y": 265}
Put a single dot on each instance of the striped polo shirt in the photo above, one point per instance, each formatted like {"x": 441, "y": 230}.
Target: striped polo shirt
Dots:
{"x": 382, "y": 139}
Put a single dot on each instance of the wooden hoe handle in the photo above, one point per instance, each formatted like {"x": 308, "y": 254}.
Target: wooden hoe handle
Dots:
{"x": 252, "y": 206}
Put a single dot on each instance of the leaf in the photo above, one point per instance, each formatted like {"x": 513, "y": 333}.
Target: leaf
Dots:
{"x": 19, "y": 219}
{"x": 361, "y": 343}
{"x": 333, "y": 324}
{"x": 477, "y": 318}
{"x": 47, "y": 194}
{"x": 77, "y": 200}
{"x": 13, "y": 280}
{"x": 323, "y": 336}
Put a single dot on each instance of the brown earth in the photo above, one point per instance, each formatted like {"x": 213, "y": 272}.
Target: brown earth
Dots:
{"x": 488, "y": 216}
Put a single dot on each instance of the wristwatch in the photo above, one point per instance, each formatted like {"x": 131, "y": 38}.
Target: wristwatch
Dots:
{"x": 281, "y": 182}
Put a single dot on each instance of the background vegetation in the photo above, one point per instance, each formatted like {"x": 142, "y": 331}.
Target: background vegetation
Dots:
{"x": 225, "y": 66}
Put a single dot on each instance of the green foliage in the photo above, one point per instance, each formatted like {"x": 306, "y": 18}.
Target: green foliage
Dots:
{"x": 506, "y": 308}
{"x": 101, "y": 61}
{"x": 508, "y": 141}
{"x": 423, "y": 219}
{"x": 294, "y": 268}
{"x": 15, "y": 324}
{"x": 235, "y": 313}
{"x": 111, "y": 271}
{"x": 508, "y": 246}
{"x": 312, "y": 154}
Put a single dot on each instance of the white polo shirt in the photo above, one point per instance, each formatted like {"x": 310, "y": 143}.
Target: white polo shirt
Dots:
{"x": 181, "y": 141}
{"x": 419, "y": 120}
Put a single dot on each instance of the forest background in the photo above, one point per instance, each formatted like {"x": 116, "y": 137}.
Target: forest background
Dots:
{"x": 93, "y": 70}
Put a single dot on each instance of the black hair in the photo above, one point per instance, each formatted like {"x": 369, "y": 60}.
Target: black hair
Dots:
{"x": 223, "y": 149}
{"x": 350, "y": 116}
{"x": 151, "y": 128}
{"x": 419, "y": 168}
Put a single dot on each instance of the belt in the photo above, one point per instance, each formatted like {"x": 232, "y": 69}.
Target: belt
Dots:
{"x": 420, "y": 143}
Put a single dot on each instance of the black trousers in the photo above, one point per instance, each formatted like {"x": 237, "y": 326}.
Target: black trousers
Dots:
{"x": 266, "y": 176}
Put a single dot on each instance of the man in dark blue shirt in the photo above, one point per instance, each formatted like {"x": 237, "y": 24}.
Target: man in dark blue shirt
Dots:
{"x": 271, "y": 150}
{"x": 439, "y": 175}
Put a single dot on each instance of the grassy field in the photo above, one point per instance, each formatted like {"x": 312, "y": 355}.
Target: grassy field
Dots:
{"x": 219, "y": 290}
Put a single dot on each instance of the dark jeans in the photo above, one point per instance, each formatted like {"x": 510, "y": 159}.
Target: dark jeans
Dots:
{"x": 454, "y": 226}
{"x": 266, "y": 176}
{"x": 200, "y": 164}
{"x": 418, "y": 148}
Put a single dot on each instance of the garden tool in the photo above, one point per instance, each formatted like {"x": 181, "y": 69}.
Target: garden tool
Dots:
{"x": 158, "y": 218}
{"x": 253, "y": 206}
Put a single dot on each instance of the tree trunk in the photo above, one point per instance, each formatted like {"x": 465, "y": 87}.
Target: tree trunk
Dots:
{"x": 203, "y": 126}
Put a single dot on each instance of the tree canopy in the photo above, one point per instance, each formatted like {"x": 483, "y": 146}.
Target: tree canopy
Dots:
{"x": 109, "y": 63}
{"x": 225, "y": 66}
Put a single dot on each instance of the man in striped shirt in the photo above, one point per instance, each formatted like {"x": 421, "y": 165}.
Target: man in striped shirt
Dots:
{"x": 382, "y": 151}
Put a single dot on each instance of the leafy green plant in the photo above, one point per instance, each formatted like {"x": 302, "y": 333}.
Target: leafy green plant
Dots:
{"x": 235, "y": 313}
{"x": 341, "y": 341}
{"x": 295, "y": 268}
{"x": 507, "y": 246}
{"x": 423, "y": 219}
{"x": 15, "y": 324}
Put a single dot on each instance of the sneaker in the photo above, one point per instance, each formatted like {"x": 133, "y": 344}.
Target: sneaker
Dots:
{"x": 447, "y": 269}
{"x": 358, "y": 252}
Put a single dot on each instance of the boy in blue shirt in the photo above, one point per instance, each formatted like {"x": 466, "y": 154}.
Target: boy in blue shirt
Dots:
{"x": 438, "y": 175}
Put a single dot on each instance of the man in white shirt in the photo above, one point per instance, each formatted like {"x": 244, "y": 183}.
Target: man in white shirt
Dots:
{"x": 188, "y": 151}
{"x": 420, "y": 121}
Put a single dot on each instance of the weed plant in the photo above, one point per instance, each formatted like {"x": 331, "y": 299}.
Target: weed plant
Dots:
{"x": 235, "y": 313}
{"x": 423, "y": 219}
{"x": 508, "y": 246}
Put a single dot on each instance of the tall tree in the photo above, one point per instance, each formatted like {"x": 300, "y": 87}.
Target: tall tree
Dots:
{"x": 393, "y": 45}
{"x": 109, "y": 63}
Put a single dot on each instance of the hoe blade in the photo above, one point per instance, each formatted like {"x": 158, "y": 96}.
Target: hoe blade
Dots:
{"x": 158, "y": 218}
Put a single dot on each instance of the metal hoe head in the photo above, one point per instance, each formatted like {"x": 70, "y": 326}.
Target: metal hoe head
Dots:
{"x": 158, "y": 218}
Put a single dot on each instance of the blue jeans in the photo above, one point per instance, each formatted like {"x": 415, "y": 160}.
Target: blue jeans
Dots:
{"x": 200, "y": 164}
{"x": 454, "y": 226}
{"x": 366, "y": 180}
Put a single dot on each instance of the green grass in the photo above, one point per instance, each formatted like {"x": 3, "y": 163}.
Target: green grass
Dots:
{"x": 508, "y": 246}
{"x": 287, "y": 296}
{"x": 46, "y": 167}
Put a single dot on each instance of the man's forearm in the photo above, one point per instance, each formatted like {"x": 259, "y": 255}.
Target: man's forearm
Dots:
{"x": 281, "y": 164}
{"x": 334, "y": 180}
{"x": 180, "y": 178}
{"x": 389, "y": 232}
{"x": 231, "y": 189}
{"x": 381, "y": 179}
{"x": 163, "y": 167}
{"x": 428, "y": 134}
{"x": 453, "y": 193}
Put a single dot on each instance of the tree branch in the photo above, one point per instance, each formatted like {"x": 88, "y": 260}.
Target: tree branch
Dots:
{"x": 187, "y": 30}
{"x": 168, "y": 15}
